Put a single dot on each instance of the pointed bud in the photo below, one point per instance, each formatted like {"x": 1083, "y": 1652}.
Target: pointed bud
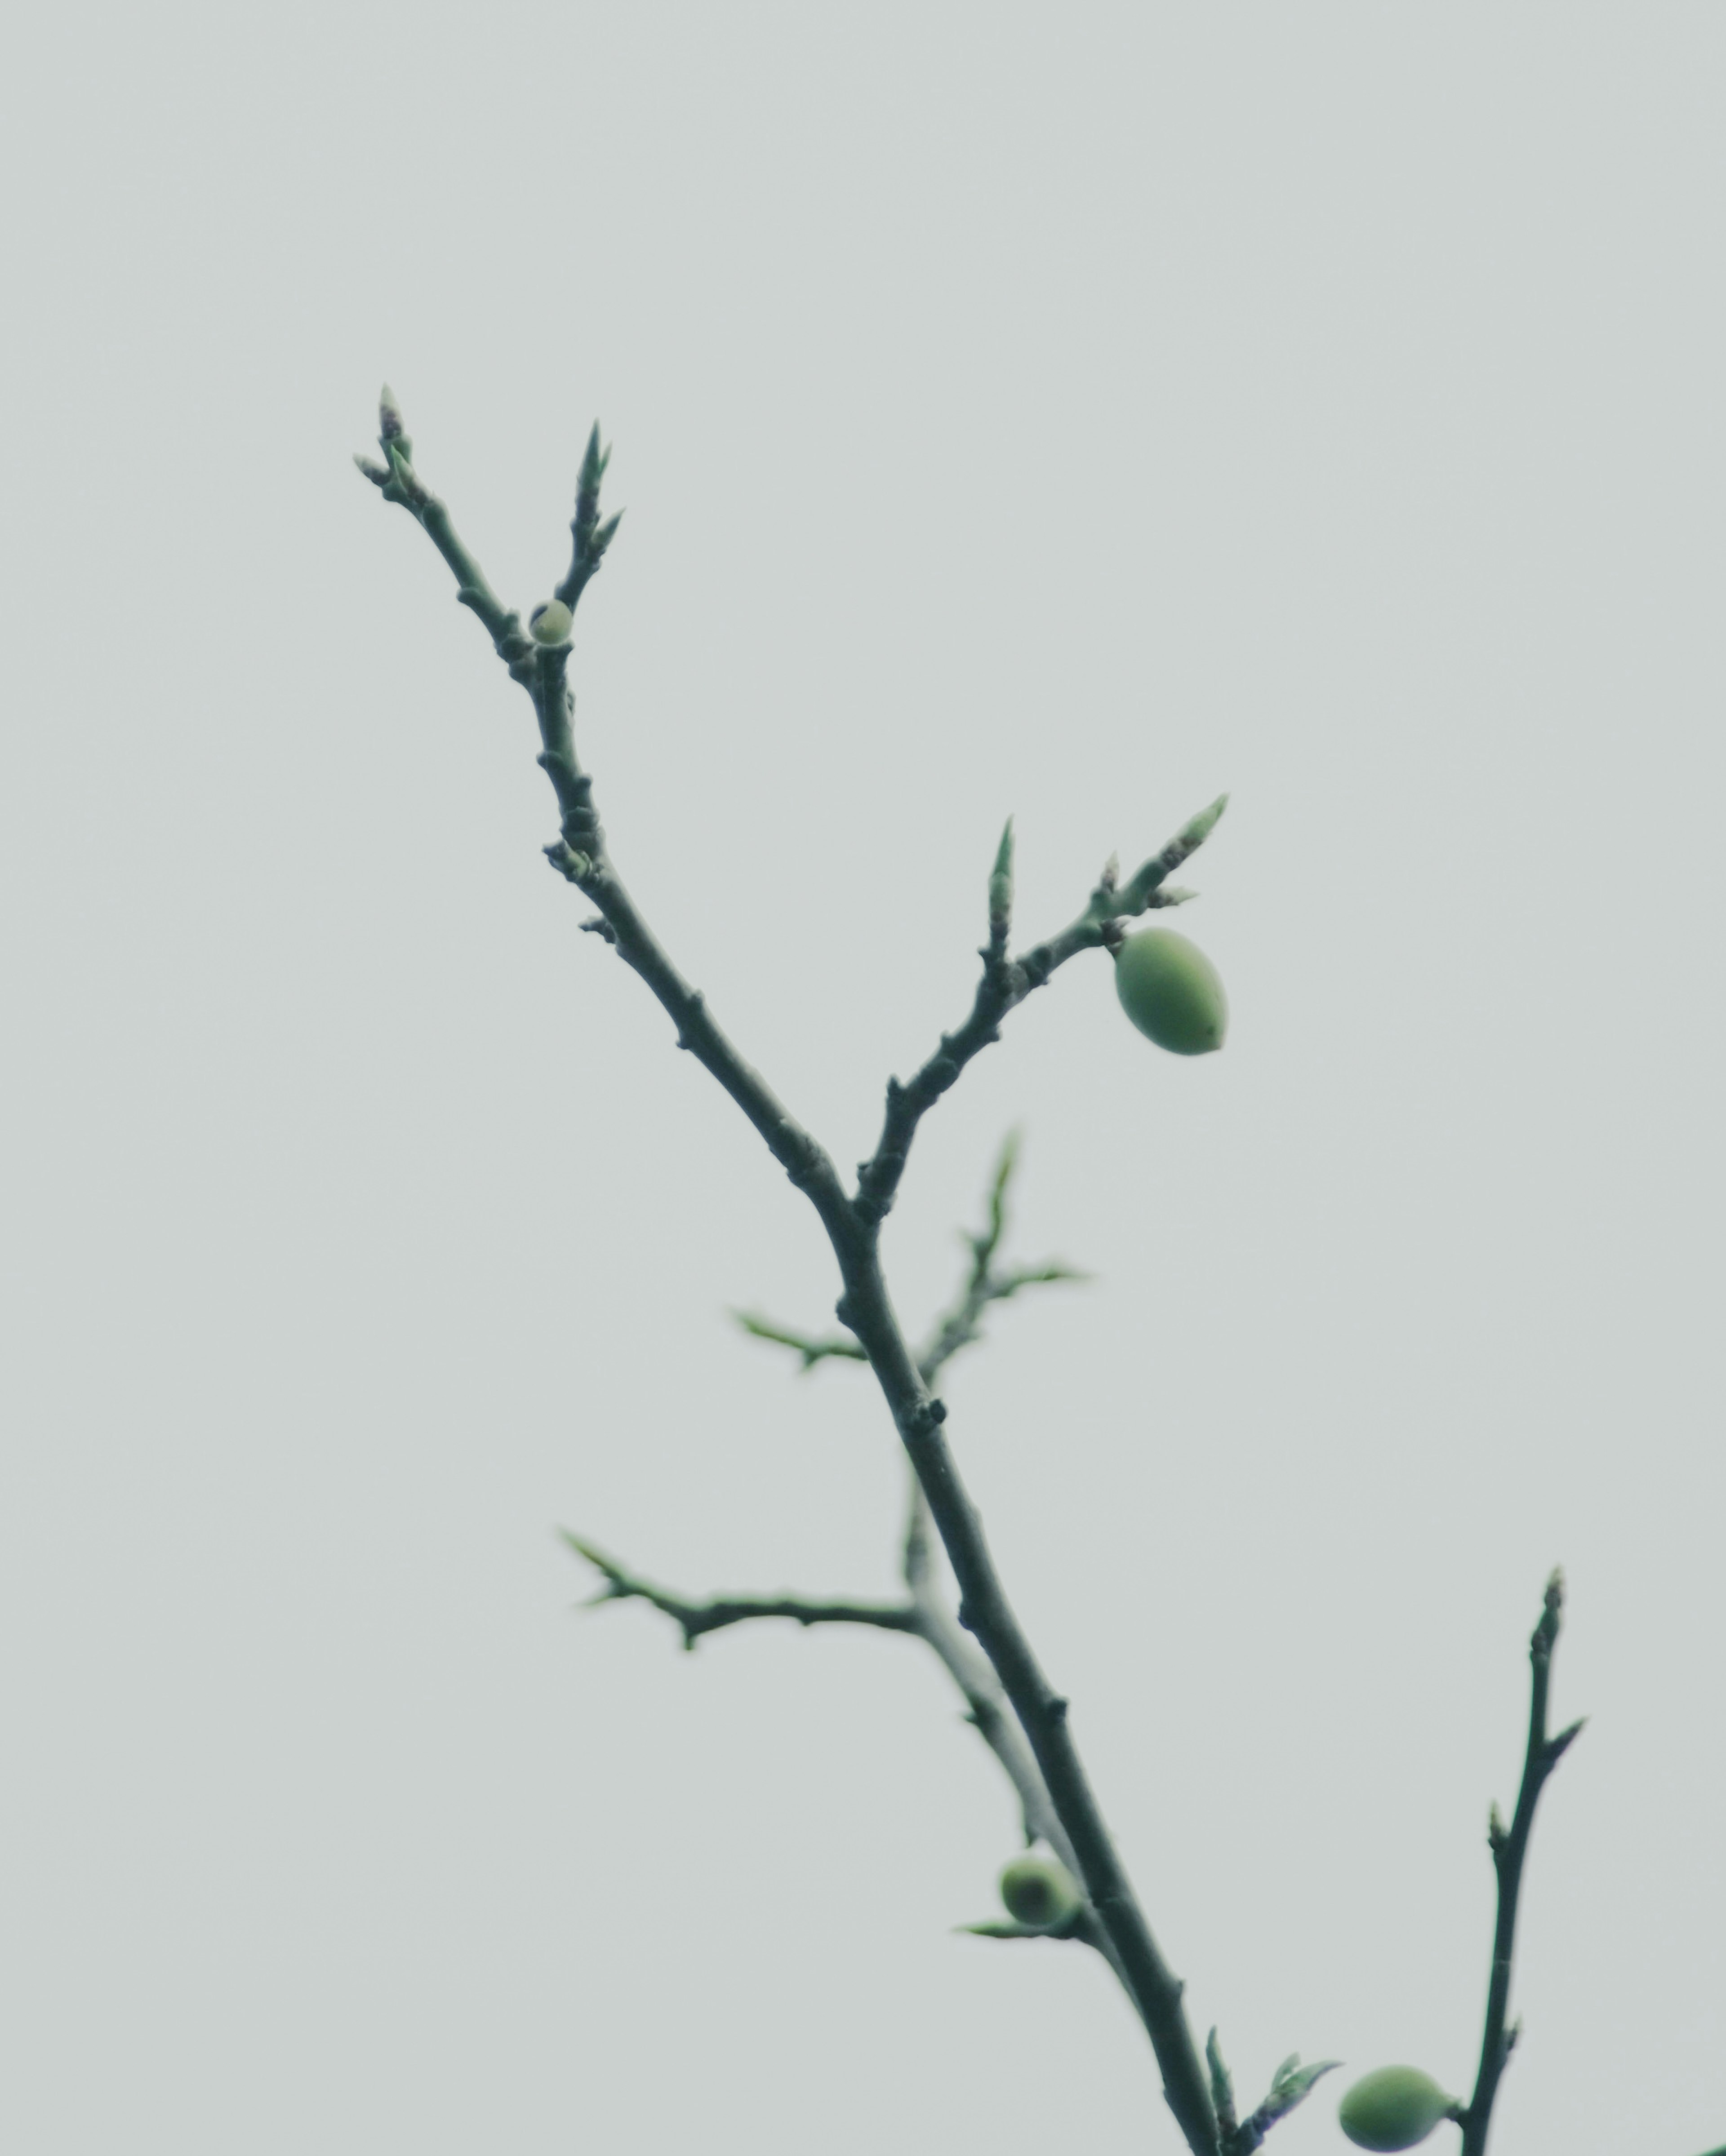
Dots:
{"x": 374, "y": 472}
{"x": 594, "y": 462}
{"x": 1290, "y": 2085}
{"x": 1204, "y": 824}
{"x": 1222, "y": 2083}
{"x": 389, "y": 415}
{"x": 1000, "y": 880}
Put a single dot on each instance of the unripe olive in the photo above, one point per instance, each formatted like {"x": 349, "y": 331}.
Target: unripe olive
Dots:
{"x": 1171, "y": 991}
{"x": 551, "y": 623}
{"x": 1396, "y": 2108}
{"x": 1040, "y": 1891}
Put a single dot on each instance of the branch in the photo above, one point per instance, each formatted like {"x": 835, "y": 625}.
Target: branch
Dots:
{"x": 923, "y": 1615}
{"x": 695, "y": 1617}
{"x": 927, "y": 1618}
{"x": 579, "y": 855}
{"x": 959, "y": 1324}
{"x": 1509, "y": 1848}
{"x": 808, "y": 1351}
{"x": 1005, "y": 983}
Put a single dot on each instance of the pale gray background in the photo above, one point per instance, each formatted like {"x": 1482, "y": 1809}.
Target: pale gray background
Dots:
{"x": 1068, "y": 411}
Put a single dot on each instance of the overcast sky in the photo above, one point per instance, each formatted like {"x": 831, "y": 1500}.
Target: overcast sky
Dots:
{"x": 1068, "y": 412}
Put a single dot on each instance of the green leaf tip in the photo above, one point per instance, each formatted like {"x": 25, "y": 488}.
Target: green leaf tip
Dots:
{"x": 1296, "y": 2081}
{"x": 1222, "y": 2085}
{"x": 1205, "y": 823}
{"x": 1000, "y": 880}
{"x": 594, "y": 460}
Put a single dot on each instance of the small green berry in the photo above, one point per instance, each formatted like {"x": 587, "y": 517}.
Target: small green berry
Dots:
{"x": 1040, "y": 1891}
{"x": 551, "y": 623}
{"x": 1396, "y": 2108}
{"x": 1171, "y": 991}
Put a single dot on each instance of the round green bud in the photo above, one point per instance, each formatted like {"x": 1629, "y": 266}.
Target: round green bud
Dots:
{"x": 1040, "y": 1891}
{"x": 1171, "y": 991}
{"x": 1396, "y": 2108}
{"x": 551, "y": 623}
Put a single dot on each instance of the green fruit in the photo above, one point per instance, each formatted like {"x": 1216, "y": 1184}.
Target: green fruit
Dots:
{"x": 1040, "y": 1891}
{"x": 551, "y": 623}
{"x": 1393, "y": 2108}
{"x": 1171, "y": 991}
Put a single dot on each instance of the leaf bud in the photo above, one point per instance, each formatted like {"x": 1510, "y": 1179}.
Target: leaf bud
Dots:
{"x": 1171, "y": 992}
{"x": 551, "y": 623}
{"x": 1000, "y": 878}
{"x": 1040, "y": 1891}
{"x": 1395, "y": 2107}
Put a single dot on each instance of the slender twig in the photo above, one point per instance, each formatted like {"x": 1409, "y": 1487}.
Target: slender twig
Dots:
{"x": 808, "y": 1349}
{"x": 580, "y": 854}
{"x": 959, "y": 1324}
{"x": 695, "y": 1617}
{"x": 924, "y": 1616}
{"x": 1509, "y": 1848}
{"x": 1290, "y": 2085}
{"x": 960, "y": 1328}
{"x": 1006, "y": 982}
